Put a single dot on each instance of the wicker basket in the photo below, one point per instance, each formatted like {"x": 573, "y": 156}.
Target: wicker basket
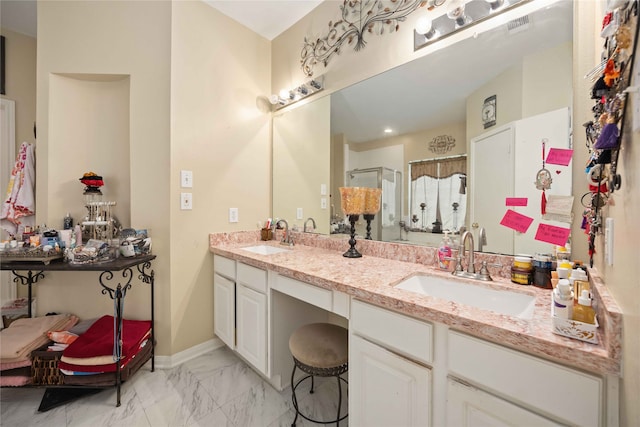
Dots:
{"x": 44, "y": 367}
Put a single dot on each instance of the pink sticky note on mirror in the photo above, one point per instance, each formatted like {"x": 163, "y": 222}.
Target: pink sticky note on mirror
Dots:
{"x": 552, "y": 234}
{"x": 559, "y": 156}
{"x": 516, "y": 221}
{"x": 516, "y": 201}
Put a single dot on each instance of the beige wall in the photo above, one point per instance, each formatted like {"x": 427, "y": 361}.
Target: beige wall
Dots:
{"x": 129, "y": 39}
{"x": 388, "y": 51}
{"x": 191, "y": 100}
{"x": 218, "y": 133}
{"x": 301, "y": 156}
{"x": 20, "y": 82}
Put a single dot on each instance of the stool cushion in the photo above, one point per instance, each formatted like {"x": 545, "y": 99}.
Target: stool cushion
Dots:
{"x": 320, "y": 345}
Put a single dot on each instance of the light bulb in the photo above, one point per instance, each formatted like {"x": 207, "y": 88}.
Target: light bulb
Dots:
{"x": 284, "y": 94}
{"x": 455, "y": 11}
{"x": 495, "y": 4}
{"x": 423, "y": 25}
{"x": 273, "y": 99}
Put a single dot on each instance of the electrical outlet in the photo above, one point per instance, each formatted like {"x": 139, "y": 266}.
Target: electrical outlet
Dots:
{"x": 299, "y": 213}
{"x": 186, "y": 179}
{"x": 323, "y": 203}
{"x": 233, "y": 214}
{"x": 186, "y": 201}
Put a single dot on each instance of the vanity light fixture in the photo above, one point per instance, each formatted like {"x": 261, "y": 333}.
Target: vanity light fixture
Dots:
{"x": 458, "y": 15}
{"x": 288, "y": 97}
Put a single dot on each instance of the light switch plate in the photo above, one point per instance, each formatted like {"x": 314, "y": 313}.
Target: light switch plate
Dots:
{"x": 233, "y": 214}
{"x": 186, "y": 179}
{"x": 323, "y": 189}
{"x": 608, "y": 241}
{"x": 323, "y": 203}
{"x": 186, "y": 201}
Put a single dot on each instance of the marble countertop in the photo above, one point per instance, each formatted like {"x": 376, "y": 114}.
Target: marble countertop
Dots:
{"x": 318, "y": 260}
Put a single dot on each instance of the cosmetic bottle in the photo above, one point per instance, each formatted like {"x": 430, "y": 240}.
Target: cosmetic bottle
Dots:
{"x": 583, "y": 311}
{"x": 580, "y": 282}
{"x": 563, "y": 300}
{"x": 444, "y": 252}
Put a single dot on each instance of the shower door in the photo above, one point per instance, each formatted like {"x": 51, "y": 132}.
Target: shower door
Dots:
{"x": 385, "y": 224}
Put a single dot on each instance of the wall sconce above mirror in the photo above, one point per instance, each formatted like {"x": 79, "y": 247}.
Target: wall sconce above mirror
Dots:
{"x": 289, "y": 96}
{"x": 457, "y": 15}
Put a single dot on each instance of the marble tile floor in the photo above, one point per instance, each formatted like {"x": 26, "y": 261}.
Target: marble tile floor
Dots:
{"x": 215, "y": 389}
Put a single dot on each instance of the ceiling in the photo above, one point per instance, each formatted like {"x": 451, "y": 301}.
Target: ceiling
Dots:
{"x": 269, "y": 18}
{"x": 19, "y": 16}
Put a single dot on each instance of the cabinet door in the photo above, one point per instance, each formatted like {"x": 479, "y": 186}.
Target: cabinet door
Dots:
{"x": 224, "y": 310}
{"x": 386, "y": 389}
{"x": 252, "y": 327}
{"x": 470, "y": 407}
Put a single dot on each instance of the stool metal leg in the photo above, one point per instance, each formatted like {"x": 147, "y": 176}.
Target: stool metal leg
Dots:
{"x": 293, "y": 396}
{"x": 339, "y": 399}
{"x": 330, "y": 372}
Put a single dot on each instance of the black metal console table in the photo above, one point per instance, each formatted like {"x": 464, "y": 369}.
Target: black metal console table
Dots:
{"x": 35, "y": 271}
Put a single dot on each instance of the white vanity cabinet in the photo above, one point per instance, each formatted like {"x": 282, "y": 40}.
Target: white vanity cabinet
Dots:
{"x": 388, "y": 381}
{"x": 251, "y": 315}
{"x": 513, "y": 380}
{"x": 468, "y": 406}
{"x": 224, "y": 300}
{"x": 240, "y": 309}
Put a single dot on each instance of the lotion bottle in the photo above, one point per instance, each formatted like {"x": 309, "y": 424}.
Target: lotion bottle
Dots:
{"x": 444, "y": 252}
{"x": 563, "y": 300}
{"x": 584, "y": 312}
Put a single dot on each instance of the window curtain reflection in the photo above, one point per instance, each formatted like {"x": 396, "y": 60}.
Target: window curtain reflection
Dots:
{"x": 439, "y": 183}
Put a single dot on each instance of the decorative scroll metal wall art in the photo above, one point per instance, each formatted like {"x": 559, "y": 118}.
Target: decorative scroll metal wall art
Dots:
{"x": 359, "y": 18}
{"x": 442, "y": 144}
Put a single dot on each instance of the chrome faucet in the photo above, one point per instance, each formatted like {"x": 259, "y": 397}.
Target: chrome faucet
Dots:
{"x": 483, "y": 274}
{"x": 482, "y": 238}
{"x": 313, "y": 222}
{"x": 471, "y": 268}
{"x": 286, "y": 239}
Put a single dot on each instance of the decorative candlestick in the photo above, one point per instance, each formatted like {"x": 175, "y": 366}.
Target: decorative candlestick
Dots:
{"x": 371, "y": 207}
{"x": 353, "y": 252}
{"x": 353, "y": 202}
{"x": 368, "y": 218}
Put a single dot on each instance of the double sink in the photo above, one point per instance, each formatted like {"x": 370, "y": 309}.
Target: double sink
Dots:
{"x": 456, "y": 290}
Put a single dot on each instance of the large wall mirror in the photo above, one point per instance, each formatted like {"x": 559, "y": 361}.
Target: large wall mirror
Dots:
{"x": 391, "y": 130}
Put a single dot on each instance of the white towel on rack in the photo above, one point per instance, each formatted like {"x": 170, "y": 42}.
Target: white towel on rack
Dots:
{"x": 18, "y": 207}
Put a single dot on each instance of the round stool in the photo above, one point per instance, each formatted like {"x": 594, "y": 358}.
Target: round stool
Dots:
{"x": 319, "y": 350}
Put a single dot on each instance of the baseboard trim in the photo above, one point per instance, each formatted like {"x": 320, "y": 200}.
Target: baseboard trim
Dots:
{"x": 168, "y": 362}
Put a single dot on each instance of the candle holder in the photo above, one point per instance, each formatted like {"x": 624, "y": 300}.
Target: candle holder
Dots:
{"x": 353, "y": 252}
{"x": 352, "y": 200}
{"x": 368, "y": 218}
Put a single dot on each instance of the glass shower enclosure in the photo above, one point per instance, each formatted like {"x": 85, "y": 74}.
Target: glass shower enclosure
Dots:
{"x": 385, "y": 226}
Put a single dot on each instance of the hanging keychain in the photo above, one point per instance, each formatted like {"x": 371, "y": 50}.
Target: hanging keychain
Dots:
{"x": 543, "y": 180}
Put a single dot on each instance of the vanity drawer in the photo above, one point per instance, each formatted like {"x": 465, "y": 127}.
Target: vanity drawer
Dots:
{"x": 224, "y": 266}
{"x": 570, "y": 394}
{"x": 314, "y": 295}
{"x": 252, "y": 277}
{"x": 404, "y": 334}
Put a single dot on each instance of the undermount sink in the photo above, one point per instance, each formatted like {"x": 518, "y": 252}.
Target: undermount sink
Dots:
{"x": 498, "y": 301}
{"x": 264, "y": 249}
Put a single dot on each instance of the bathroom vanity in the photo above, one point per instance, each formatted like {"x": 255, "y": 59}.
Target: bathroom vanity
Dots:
{"x": 414, "y": 359}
